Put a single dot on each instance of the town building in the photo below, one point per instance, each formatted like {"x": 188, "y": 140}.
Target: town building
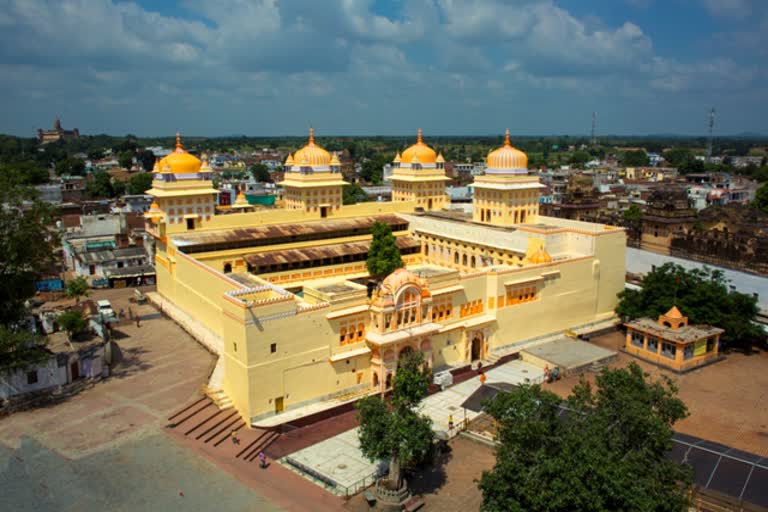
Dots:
{"x": 671, "y": 342}
{"x": 668, "y": 214}
{"x": 287, "y": 293}
{"x": 56, "y": 133}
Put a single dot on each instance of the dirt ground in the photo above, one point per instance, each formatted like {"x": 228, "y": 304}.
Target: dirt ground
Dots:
{"x": 727, "y": 401}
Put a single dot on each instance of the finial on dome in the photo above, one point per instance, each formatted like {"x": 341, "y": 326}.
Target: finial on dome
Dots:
{"x": 506, "y": 138}
{"x": 311, "y": 135}
{"x": 178, "y": 141}
{"x": 418, "y": 137}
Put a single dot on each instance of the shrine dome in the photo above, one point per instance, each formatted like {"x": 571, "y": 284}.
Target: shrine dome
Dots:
{"x": 507, "y": 159}
{"x": 312, "y": 155}
{"x": 419, "y": 153}
{"x": 179, "y": 161}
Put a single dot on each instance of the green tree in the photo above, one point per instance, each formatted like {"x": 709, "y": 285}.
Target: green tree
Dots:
{"x": 27, "y": 246}
{"x": 579, "y": 158}
{"x": 700, "y": 294}
{"x": 27, "y": 172}
{"x": 72, "y": 321}
{"x": 678, "y": 157}
{"x": 761, "y": 198}
{"x": 20, "y": 348}
{"x": 633, "y": 220}
{"x": 100, "y": 187}
{"x": 396, "y": 430}
{"x": 140, "y": 183}
{"x": 608, "y": 453}
{"x": 636, "y": 158}
{"x": 383, "y": 256}
{"x": 353, "y": 193}
{"x": 260, "y": 173}
{"x": 77, "y": 287}
{"x": 372, "y": 168}
{"x": 146, "y": 159}
{"x": 125, "y": 159}
{"x": 70, "y": 166}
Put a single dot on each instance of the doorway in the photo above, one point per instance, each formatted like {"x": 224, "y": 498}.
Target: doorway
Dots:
{"x": 429, "y": 204}
{"x": 323, "y": 212}
{"x": 190, "y": 223}
{"x": 279, "y": 405}
{"x": 75, "y": 370}
{"x": 477, "y": 347}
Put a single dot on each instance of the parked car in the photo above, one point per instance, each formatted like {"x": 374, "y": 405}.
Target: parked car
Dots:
{"x": 105, "y": 309}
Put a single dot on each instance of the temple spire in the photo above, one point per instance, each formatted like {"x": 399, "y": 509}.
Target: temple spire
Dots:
{"x": 418, "y": 137}
{"x": 506, "y": 138}
{"x": 178, "y": 140}
{"x": 311, "y": 135}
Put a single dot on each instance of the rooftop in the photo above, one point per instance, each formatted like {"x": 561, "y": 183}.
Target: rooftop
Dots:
{"x": 684, "y": 334}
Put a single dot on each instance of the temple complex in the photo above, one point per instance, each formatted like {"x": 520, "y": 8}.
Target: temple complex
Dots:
{"x": 288, "y": 294}
{"x": 56, "y": 133}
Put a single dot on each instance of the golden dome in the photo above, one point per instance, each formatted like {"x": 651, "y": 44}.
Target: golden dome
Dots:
{"x": 241, "y": 201}
{"x": 179, "y": 161}
{"x": 423, "y": 153}
{"x": 507, "y": 157}
{"x": 335, "y": 160}
{"x": 397, "y": 159}
{"x": 312, "y": 154}
{"x": 440, "y": 159}
{"x": 539, "y": 257}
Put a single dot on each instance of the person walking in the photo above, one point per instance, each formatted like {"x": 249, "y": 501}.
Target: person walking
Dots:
{"x": 235, "y": 440}
{"x": 262, "y": 460}
{"x": 450, "y": 422}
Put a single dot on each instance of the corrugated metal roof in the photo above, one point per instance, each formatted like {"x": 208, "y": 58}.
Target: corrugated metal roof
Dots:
{"x": 321, "y": 252}
{"x": 278, "y": 233}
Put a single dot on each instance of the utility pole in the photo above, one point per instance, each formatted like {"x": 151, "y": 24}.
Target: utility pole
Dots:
{"x": 711, "y": 130}
{"x": 594, "y": 128}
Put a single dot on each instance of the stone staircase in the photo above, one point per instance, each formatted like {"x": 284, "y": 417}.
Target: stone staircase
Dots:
{"x": 219, "y": 398}
{"x": 491, "y": 359}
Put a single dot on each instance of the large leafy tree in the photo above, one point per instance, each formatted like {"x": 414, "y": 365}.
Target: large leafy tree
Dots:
{"x": 140, "y": 183}
{"x": 383, "y": 256}
{"x": 761, "y": 198}
{"x": 702, "y": 295}
{"x": 632, "y": 218}
{"x": 20, "y": 348}
{"x": 607, "y": 453}
{"x": 77, "y": 287}
{"x": 260, "y": 173}
{"x": 395, "y": 430}
{"x": 72, "y": 322}
{"x": 353, "y": 193}
{"x": 27, "y": 247}
{"x": 635, "y": 158}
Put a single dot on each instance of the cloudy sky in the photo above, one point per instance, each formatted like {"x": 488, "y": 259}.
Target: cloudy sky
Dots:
{"x": 269, "y": 67}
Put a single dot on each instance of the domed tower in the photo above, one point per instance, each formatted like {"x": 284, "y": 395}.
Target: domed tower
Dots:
{"x": 183, "y": 193}
{"x": 313, "y": 180}
{"x": 419, "y": 175}
{"x": 506, "y": 194}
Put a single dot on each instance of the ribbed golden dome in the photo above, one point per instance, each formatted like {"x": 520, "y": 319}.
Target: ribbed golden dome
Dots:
{"x": 312, "y": 154}
{"x": 424, "y": 153}
{"x": 179, "y": 161}
{"x": 507, "y": 157}
{"x": 539, "y": 257}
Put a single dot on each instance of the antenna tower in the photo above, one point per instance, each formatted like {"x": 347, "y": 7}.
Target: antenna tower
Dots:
{"x": 711, "y": 130}
{"x": 594, "y": 126}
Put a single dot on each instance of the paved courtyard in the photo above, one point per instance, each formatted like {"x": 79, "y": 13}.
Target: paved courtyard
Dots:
{"x": 106, "y": 449}
{"x": 339, "y": 458}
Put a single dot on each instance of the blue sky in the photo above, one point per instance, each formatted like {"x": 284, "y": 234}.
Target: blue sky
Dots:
{"x": 365, "y": 67}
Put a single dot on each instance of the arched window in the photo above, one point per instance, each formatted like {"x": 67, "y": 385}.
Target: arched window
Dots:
{"x": 473, "y": 262}
{"x": 464, "y": 260}
{"x": 407, "y": 304}
{"x": 342, "y": 334}
{"x": 227, "y": 268}
{"x": 455, "y": 258}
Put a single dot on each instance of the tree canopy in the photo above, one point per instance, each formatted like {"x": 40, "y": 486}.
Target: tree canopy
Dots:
{"x": 27, "y": 246}
{"x": 140, "y": 183}
{"x": 761, "y": 198}
{"x": 607, "y": 453}
{"x": 635, "y": 158}
{"x": 702, "y": 295}
{"x": 260, "y": 173}
{"x": 396, "y": 430}
{"x": 20, "y": 348}
{"x": 383, "y": 256}
{"x": 353, "y": 193}
{"x": 77, "y": 287}
{"x": 72, "y": 321}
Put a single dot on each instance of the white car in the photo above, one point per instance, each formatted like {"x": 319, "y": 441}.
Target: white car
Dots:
{"x": 105, "y": 309}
